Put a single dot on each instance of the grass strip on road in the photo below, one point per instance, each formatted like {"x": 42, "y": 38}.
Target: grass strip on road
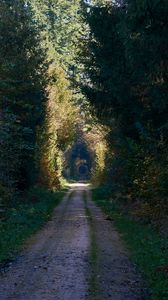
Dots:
{"x": 24, "y": 219}
{"x": 94, "y": 290}
{"x": 147, "y": 248}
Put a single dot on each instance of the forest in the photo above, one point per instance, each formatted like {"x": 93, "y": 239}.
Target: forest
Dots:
{"x": 83, "y": 97}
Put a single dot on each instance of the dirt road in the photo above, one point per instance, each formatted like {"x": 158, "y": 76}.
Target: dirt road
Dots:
{"x": 77, "y": 255}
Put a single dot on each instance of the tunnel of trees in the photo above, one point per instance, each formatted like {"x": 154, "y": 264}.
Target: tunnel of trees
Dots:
{"x": 83, "y": 95}
{"x": 80, "y": 161}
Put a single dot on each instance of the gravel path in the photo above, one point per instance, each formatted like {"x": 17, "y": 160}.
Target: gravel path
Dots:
{"x": 57, "y": 262}
{"x": 117, "y": 278}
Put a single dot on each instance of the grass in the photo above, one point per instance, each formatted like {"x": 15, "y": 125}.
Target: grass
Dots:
{"x": 24, "y": 219}
{"x": 94, "y": 290}
{"x": 147, "y": 248}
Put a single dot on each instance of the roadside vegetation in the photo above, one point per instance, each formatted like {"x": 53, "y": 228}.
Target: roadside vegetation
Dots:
{"x": 147, "y": 248}
{"x": 25, "y": 217}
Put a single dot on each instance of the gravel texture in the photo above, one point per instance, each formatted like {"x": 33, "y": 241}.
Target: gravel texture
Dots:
{"x": 56, "y": 261}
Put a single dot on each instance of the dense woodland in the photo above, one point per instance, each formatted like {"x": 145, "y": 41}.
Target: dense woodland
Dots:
{"x": 92, "y": 73}
{"x": 126, "y": 80}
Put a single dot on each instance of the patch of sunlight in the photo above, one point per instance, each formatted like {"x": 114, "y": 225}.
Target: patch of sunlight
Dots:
{"x": 79, "y": 185}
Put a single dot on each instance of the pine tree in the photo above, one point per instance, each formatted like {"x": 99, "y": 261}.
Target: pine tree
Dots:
{"x": 147, "y": 56}
{"x": 22, "y": 87}
{"x": 127, "y": 64}
{"x": 126, "y": 80}
{"x": 61, "y": 27}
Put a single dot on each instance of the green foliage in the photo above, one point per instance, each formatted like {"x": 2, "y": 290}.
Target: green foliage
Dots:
{"x": 22, "y": 71}
{"x": 24, "y": 218}
{"x": 126, "y": 80}
{"x": 96, "y": 141}
{"x": 37, "y": 112}
{"x": 61, "y": 27}
{"x": 10, "y": 152}
{"x": 148, "y": 249}
{"x": 59, "y": 128}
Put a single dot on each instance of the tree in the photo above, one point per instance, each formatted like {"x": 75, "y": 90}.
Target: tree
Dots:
{"x": 126, "y": 80}
{"x": 22, "y": 71}
{"x": 61, "y": 29}
{"x": 59, "y": 128}
{"x": 61, "y": 24}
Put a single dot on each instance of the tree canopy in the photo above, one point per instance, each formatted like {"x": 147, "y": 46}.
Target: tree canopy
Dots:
{"x": 89, "y": 71}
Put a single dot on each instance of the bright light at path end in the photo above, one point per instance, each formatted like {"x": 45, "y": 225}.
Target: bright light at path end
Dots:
{"x": 78, "y": 184}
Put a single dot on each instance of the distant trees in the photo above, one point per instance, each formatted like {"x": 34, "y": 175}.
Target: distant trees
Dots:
{"x": 126, "y": 68}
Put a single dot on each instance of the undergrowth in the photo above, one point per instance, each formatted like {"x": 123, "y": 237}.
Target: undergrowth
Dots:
{"x": 24, "y": 218}
{"x": 147, "y": 248}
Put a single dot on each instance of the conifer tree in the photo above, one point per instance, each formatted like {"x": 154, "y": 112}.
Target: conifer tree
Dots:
{"x": 126, "y": 80}
{"x": 22, "y": 90}
{"x": 61, "y": 27}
